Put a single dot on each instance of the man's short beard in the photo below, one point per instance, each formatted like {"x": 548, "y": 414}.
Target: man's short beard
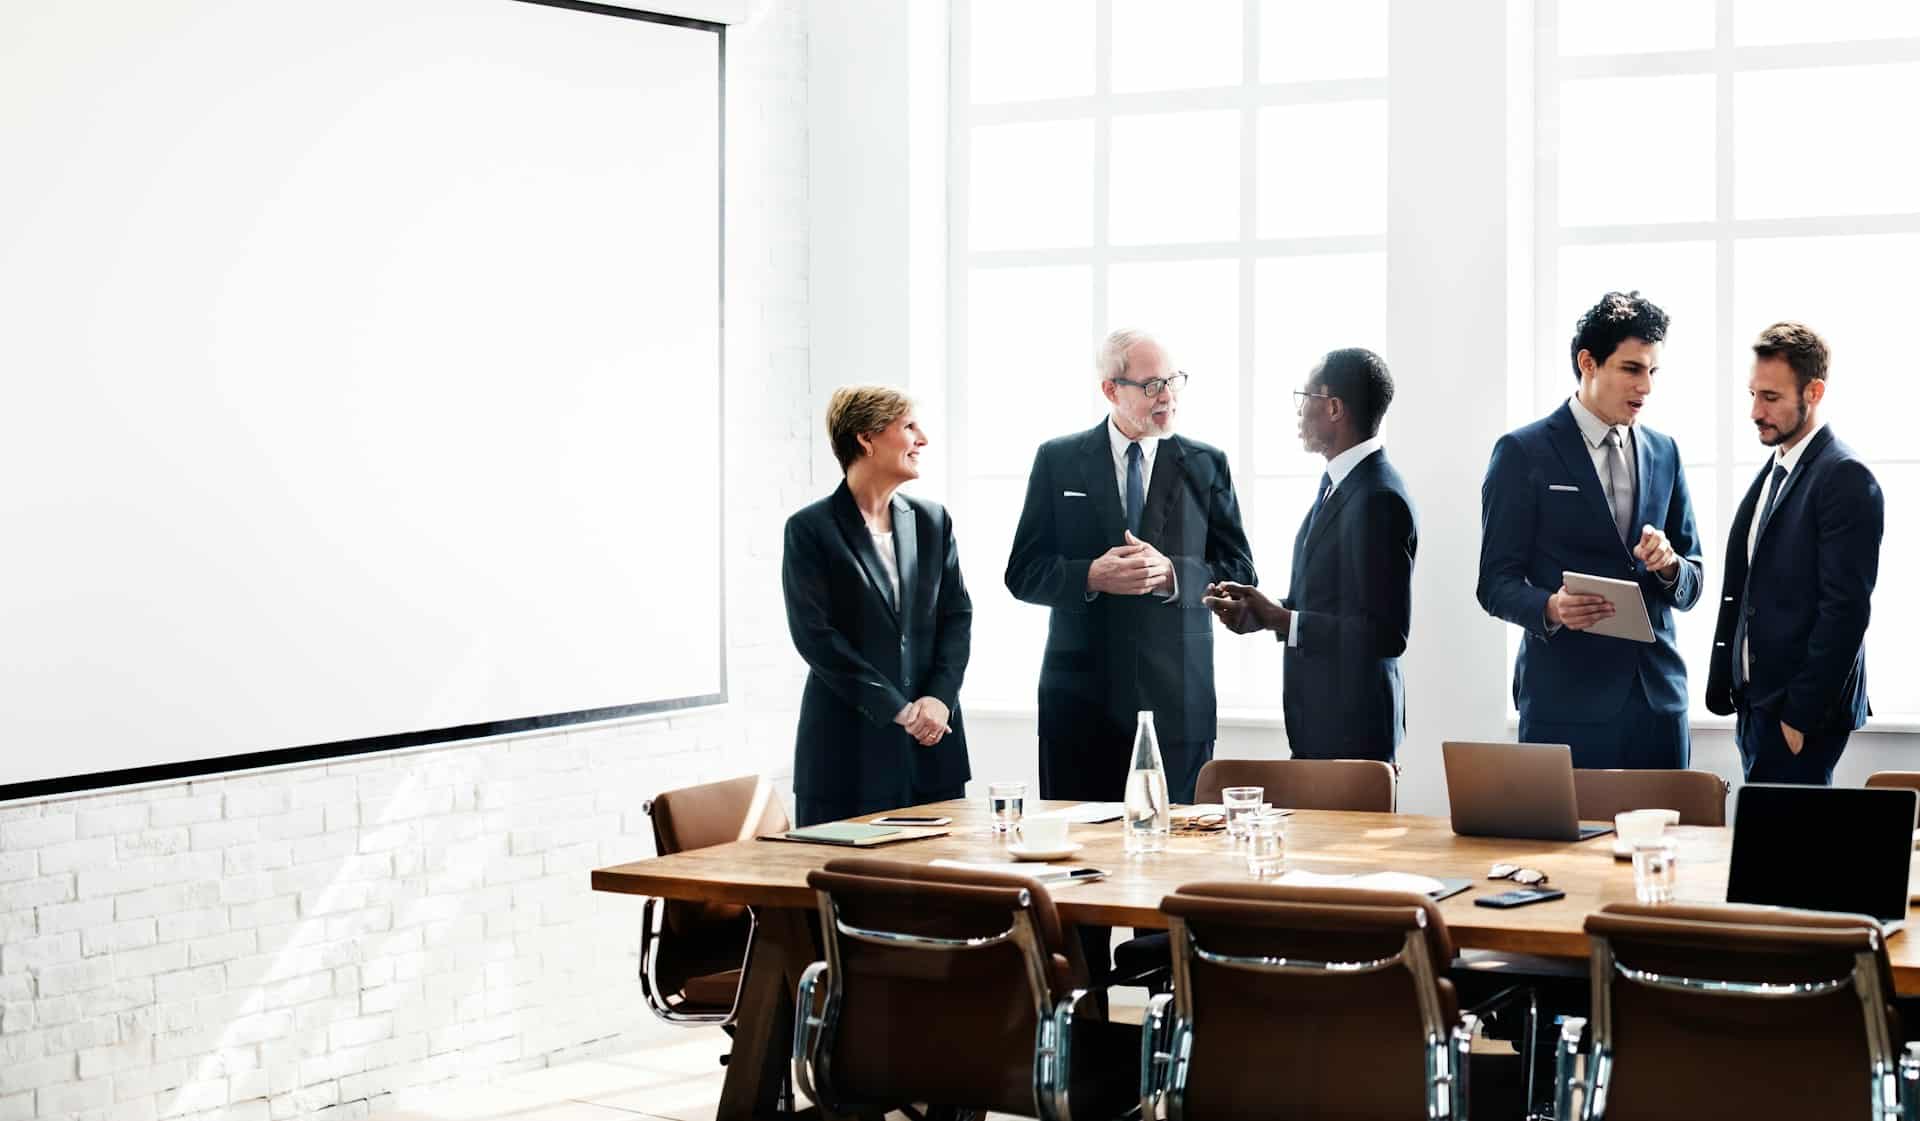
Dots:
{"x": 1799, "y": 422}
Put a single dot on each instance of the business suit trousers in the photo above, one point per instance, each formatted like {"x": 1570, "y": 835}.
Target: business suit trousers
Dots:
{"x": 814, "y": 811}
{"x": 1634, "y": 737}
{"x": 1094, "y": 768}
{"x": 1765, "y": 757}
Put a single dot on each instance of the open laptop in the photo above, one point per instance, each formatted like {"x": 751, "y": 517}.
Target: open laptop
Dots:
{"x": 1824, "y": 849}
{"x": 1514, "y": 790}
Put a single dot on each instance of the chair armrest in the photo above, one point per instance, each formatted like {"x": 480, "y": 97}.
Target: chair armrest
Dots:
{"x": 1156, "y": 1054}
{"x": 809, "y": 1023}
{"x": 1053, "y": 1057}
{"x": 1456, "y": 1075}
{"x": 1910, "y": 1083}
{"x": 1565, "y": 1082}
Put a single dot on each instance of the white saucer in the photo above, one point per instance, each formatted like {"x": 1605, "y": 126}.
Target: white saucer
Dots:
{"x": 1022, "y": 852}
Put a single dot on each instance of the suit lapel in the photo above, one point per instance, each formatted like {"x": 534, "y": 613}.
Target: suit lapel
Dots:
{"x": 906, "y": 553}
{"x": 1167, "y": 467}
{"x": 1821, "y": 440}
{"x": 1357, "y": 479}
{"x": 1644, "y": 488}
{"x": 1743, "y": 517}
{"x": 1575, "y": 456}
{"x": 854, "y": 530}
{"x": 1097, "y": 462}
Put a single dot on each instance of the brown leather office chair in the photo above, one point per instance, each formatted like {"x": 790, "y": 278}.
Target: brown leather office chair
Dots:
{"x": 1305, "y": 784}
{"x": 1715, "y": 1010}
{"x": 953, "y": 988}
{"x": 1305, "y": 1002}
{"x": 1897, "y": 780}
{"x": 1699, "y": 796}
{"x": 692, "y": 954}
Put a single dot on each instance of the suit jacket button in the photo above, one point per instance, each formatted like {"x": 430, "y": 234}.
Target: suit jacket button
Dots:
{"x": 1749, "y": 610}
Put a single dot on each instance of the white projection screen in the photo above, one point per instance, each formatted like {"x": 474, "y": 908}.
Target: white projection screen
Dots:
{"x": 362, "y": 366}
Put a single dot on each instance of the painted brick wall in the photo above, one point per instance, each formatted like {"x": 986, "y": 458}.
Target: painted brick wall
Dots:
{"x": 301, "y": 942}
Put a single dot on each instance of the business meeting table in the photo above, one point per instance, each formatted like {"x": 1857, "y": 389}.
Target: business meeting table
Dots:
{"x": 771, "y": 876}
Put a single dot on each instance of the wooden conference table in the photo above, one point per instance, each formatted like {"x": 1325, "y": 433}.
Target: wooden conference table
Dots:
{"x": 772, "y": 878}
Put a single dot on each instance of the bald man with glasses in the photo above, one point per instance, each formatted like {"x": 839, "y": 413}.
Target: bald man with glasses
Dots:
{"x": 1123, "y": 528}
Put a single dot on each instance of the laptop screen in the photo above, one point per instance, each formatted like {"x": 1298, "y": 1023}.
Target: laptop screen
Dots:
{"x": 1823, "y": 849}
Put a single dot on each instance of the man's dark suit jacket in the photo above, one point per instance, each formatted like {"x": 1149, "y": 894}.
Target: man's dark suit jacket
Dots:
{"x": 1110, "y": 657}
{"x": 1352, "y": 588}
{"x": 1807, "y": 594}
{"x": 1543, "y": 513}
{"x": 867, "y": 657}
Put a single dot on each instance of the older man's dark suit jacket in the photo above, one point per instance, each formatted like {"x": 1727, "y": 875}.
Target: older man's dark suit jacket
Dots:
{"x": 1806, "y": 595}
{"x": 868, "y": 656}
{"x": 1110, "y": 657}
{"x": 1352, "y": 588}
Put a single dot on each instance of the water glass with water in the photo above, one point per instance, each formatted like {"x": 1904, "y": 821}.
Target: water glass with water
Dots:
{"x": 1006, "y": 801}
{"x": 1266, "y": 843}
{"x": 1240, "y": 802}
{"x": 1653, "y": 870}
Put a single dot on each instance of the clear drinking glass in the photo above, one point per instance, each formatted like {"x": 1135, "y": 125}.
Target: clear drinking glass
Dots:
{"x": 1653, "y": 871}
{"x": 1006, "y": 801}
{"x": 1240, "y": 802}
{"x": 1266, "y": 843}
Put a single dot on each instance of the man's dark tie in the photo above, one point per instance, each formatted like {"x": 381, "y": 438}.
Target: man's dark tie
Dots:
{"x": 1319, "y": 500}
{"x": 1136, "y": 488}
{"x": 1740, "y": 623}
{"x": 1773, "y": 495}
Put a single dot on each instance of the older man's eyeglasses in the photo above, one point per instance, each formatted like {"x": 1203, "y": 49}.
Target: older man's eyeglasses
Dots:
{"x": 1153, "y": 387}
{"x": 1301, "y": 397}
{"x": 1532, "y": 877}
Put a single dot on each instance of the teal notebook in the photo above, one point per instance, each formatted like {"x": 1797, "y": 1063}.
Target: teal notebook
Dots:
{"x": 841, "y": 833}
{"x": 855, "y": 835}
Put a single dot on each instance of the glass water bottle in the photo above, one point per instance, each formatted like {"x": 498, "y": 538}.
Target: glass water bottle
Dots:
{"x": 1149, "y": 816}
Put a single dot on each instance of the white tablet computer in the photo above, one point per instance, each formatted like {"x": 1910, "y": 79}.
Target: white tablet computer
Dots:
{"x": 1629, "y": 618}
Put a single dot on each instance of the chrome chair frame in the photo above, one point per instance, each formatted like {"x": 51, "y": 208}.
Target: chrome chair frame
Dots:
{"x": 652, "y": 919}
{"x": 1166, "y": 1043}
{"x": 816, "y": 1014}
{"x": 1891, "y": 1081}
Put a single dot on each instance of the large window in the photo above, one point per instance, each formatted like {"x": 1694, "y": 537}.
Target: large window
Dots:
{"x": 1741, "y": 164}
{"x": 1213, "y": 172}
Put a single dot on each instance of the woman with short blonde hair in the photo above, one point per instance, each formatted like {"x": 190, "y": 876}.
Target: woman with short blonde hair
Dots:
{"x": 877, "y": 608}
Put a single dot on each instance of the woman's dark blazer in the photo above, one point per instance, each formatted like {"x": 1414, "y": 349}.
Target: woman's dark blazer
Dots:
{"x": 867, "y": 657}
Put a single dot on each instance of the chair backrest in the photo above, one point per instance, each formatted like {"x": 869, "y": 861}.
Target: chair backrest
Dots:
{"x": 1304, "y": 784}
{"x": 1699, "y": 796}
{"x": 938, "y": 980}
{"x": 696, "y": 817}
{"x": 1329, "y": 1000}
{"x": 714, "y": 813}
{"x": 1698, "y": 1008}
{"x": 1897, "y": 780}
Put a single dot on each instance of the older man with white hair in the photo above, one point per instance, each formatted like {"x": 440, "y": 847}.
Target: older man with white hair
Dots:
{"x": 1124, "y": 526}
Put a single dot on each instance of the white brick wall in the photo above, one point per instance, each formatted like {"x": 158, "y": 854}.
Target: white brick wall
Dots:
{"x": 298, "y": 943}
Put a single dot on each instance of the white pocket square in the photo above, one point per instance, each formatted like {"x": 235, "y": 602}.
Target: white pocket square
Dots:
{"x": 1073, "y": 494}
{"x": 1561, "y": 486}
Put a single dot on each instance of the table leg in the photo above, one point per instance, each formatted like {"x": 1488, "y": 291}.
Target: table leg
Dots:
{"x": 763, "y": 1035}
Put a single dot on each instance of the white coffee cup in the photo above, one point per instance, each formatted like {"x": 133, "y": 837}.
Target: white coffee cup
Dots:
{"x": 1043, "y": 832}
{"x": 1635, "y": 826}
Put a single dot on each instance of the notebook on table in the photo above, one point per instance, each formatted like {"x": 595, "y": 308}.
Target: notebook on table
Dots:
{"x": 855, "y": 835}
{"x": 1824, "y": 848}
